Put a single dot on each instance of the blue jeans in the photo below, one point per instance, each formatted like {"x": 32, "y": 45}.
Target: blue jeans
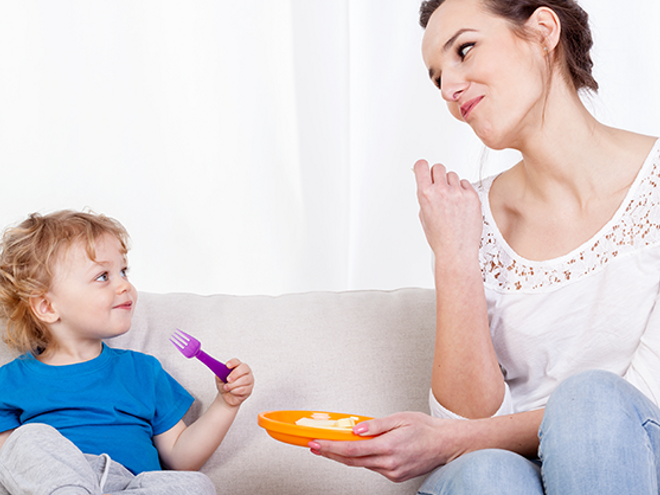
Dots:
{"x": 599, "y": 435}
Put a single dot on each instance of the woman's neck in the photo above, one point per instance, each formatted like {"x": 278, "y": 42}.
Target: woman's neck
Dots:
{"x": 573, "y": 157}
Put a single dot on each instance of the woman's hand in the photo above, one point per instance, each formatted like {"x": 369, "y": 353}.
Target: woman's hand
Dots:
{"x": 410, "y": 444}
{"x": 239, "y": 383}
{"x": 450, "y": 212}
{"x": 405, "y": 445}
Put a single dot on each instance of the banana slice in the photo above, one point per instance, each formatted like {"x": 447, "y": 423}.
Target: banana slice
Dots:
{"x": 322, "y": 420}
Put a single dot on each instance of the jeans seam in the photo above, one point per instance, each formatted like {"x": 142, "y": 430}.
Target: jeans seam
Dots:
{"x": 650, "y": 420}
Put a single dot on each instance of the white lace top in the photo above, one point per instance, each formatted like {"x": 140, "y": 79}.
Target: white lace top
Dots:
{"x": 592, "y": 308}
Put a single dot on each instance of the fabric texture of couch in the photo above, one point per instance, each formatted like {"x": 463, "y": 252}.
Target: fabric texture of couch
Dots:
{"x": 359, "y": 352}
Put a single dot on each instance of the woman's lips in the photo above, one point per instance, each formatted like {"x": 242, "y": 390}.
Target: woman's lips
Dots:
{"x": 467, "y": 108}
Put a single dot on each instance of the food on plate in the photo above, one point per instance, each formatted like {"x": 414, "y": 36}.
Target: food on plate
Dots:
{"x": 322, "y": 420}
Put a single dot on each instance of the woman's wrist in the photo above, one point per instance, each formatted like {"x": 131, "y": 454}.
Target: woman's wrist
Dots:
{"x": 515, "y": 432}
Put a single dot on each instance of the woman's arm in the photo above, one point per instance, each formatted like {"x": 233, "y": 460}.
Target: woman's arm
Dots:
{"x": 412, "y": 444}
{"x": 188, "y": 448}
{"x": 466, "y": 377}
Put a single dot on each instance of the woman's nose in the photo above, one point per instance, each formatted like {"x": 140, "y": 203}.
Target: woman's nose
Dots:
{"x": 452, "y": 87}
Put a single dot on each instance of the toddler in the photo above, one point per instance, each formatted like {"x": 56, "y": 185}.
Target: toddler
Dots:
{"x": 76, "y": 416}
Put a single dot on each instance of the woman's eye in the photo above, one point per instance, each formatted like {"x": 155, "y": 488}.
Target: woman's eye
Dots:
{"x": 102, "y": 278}
{"x": 464, "y": 49}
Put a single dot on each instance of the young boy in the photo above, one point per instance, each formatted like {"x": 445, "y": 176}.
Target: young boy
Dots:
{"x": 76, "y": 416}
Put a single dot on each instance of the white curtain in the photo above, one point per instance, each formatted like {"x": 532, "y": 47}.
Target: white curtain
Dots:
{"x": 257, "y": 146}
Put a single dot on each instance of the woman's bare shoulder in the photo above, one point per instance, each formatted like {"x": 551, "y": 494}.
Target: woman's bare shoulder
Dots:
{"x": 505, "y": 189}
{"x": 637, "y": 146}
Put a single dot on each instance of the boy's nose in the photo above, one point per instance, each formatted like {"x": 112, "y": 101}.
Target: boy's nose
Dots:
{"x": 123, "y": 285}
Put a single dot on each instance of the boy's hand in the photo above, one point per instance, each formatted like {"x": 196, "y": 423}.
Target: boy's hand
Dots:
{"x": 187, "y": 448}
{"x": 239, "y": 383}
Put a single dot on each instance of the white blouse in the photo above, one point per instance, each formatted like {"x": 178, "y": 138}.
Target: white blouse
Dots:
{"x": 594, "y": 308}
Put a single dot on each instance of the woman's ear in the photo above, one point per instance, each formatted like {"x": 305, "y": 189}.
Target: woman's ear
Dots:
{"x": 43, "y": 309}
{"x": 546, "y": 24}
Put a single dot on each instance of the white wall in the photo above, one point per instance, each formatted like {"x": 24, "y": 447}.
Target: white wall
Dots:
{"x": 257, "y": 147}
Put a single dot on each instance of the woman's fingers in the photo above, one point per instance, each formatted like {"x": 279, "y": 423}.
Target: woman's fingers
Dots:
{"x": 453, "y": 179}
{"x": 437, "y": 174}
{"x": 450, "y": 211}
{"x": 405, "y": 445}
{"x": 422, "y": 174}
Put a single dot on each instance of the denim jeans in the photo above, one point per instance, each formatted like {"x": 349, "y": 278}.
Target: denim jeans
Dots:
{"x": 599, "y": 435}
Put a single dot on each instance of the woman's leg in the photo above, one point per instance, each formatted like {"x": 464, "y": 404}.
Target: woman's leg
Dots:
{"x": 600, "y": 435}
{"x": 485, "y": 472}
{"x": 36, "y": 459}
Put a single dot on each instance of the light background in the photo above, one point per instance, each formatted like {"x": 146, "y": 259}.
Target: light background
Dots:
{"x": 258, "y": 147}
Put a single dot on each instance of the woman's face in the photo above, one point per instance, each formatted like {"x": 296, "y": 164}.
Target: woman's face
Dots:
{"x": 490, "y": 77}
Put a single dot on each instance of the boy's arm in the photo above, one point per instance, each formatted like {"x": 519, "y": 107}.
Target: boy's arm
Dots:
{"x": 188, "y": 448}
{"x": 4, "y": 436}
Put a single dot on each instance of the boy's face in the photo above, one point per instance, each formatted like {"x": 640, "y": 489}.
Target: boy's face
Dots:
{"x": 92, "y": 300}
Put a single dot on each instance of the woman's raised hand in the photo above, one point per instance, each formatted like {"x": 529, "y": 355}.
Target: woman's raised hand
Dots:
{"x": 450, "y": 212}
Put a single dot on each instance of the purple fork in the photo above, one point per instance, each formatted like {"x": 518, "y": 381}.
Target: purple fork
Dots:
{"x": 191, "y": 347}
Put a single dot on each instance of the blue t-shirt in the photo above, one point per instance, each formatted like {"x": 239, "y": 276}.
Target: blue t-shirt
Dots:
{"x": 113, "y": 404}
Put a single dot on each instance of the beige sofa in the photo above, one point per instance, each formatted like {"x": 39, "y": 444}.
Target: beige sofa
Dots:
{"x": 361, "y": 352}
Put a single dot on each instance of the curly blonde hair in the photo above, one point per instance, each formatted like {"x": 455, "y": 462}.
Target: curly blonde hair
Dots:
{"x": 27, "y": 257}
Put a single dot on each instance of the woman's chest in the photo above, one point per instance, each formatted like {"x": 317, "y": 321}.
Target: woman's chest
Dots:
{"x": 593, "y": 320}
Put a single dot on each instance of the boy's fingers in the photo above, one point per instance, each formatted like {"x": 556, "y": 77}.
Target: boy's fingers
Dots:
{"x": 233, "y": 363}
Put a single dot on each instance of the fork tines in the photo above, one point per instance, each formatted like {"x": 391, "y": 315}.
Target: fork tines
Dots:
{"x": 179, "y": 340}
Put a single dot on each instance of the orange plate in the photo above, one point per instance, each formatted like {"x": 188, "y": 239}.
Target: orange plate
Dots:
{"x": 281, "y": 425}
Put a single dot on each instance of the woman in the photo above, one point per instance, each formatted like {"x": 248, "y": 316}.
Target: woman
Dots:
{"x": 546, "y": 377}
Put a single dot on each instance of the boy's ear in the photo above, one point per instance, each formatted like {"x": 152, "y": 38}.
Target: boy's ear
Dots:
{"x": 43, "y": 309}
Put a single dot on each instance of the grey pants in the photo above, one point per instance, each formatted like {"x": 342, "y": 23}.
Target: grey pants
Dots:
{"x": 37, "y": 460}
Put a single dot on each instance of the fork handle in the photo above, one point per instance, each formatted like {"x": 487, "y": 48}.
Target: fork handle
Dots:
{"x": 214, "y": 365}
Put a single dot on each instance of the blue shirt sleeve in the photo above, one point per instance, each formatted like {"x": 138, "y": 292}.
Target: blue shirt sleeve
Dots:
{"x": 172, "y": 401}
{"x": 9, "y": 410}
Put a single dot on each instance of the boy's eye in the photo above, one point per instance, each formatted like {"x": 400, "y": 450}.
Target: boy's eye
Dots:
{"x": 464, "y": 49}
{"x": 124, "y": 272}
{"x": 102, "y": 278}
